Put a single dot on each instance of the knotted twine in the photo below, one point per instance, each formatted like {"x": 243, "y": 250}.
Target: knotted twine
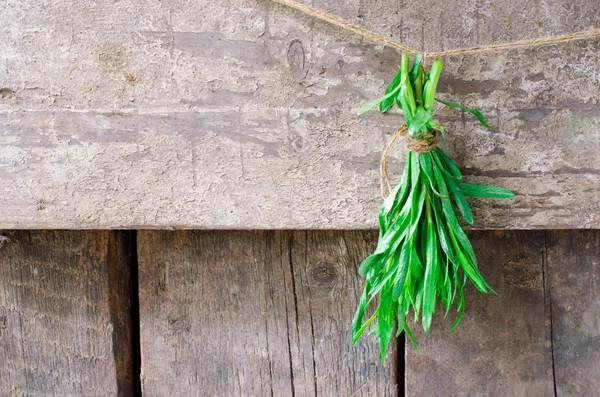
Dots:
{"x": 423, "y": 142}
{"x": 418, "y": 143}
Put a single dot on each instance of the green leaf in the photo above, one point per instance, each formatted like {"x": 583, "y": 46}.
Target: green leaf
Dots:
{"x": 420, "y": 122}
{"x": 363, "y": 328}
{"x": 448, "y": 163}
{"x": 366, "y": 265}
{"x": 414, "y": 70}
{"x": 429, "y": 289}
{"x": 385, "y": 322}
{"x": 416, "y": 210}
{"x": 474, "y": 190}
{"x": 427, "y": 168}
{"x": 474, "y": 112}
{"x": 415, "y": 169}
{"x": 360, "y": 312}
{"x": 441, "y": 227}
{"x": 376, "y": 102}
{"x": 401, "y": 318}
{"x": 460, "y": 303}
{"x": 461, "y": 202}
{"x": 411, "y": 337}
{"x": 432, "y": 125}
{"x": 403, "y": 266}
{"x": 386, "y": 104}
{"x": 418, "y": 301}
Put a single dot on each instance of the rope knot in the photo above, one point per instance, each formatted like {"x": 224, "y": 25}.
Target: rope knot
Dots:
{"x": 424, "y": 142}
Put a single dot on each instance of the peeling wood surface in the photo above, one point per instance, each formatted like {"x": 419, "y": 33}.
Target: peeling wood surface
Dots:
{"x": 65, "y": 315}
{"x": 503, "y": 344}
{"x": 255, "y": 313}
{"x": 241, "y": 114}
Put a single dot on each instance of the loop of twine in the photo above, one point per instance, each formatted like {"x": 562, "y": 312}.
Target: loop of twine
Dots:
{"x": 424, "y": 142}
{"x": 324, "y": 16}
{"x": 383, "y": 174}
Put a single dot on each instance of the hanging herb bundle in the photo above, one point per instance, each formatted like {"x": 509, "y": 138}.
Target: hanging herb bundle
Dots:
{"x": 423, "y": 256}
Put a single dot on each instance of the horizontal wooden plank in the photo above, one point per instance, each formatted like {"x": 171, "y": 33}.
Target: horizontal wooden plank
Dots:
{"x": 135, "y": 116}
{"x": 503, "y": 344}
{"x": 65, "y": 314}
{"x": 255, "y": 313}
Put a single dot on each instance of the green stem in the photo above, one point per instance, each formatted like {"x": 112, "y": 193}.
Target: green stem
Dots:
{"x": 431, "y": 85}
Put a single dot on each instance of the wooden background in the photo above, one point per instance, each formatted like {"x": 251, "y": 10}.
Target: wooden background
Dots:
{"x": 241, "y": 114}
{"x": 229, "y": 313}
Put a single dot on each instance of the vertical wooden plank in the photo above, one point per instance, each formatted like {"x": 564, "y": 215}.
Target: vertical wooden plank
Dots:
{"x": 65, "y": 325}
{"x": 255, "y": 313}
{"x": 213, "y": 313}
{"x": 327, "y": 289}
{"x": 502, "y": 346}
{"x": 574, "y": 280}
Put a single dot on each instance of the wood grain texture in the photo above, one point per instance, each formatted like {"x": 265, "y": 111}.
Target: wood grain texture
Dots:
{"x": 574, "y": 280}
{"x": 175, "y": 116}
{"x": 255, "y": 313}
{"x": 65, "y": 319}
{"x": 503, "y": 344}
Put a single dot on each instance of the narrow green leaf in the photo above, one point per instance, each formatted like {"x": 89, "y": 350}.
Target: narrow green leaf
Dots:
{"x": 377, "y": 101}
{"x": 385, "y": 322}
{"x": 473, "y": 190}
{"x": 360, "y": 312}
{"x": 387, "y": 103}
{"x": 411, "y": 337}
{"x": 460, "y": 302}
{"x": 414, "y": 70}
{"x": 401, "y": 319}
{"x": 448, "y": 163}
{"x": 362, "y": 329}
{"x": 420, "y": 122}
{"x": 432, "y": 125}
{"x": 415, "y": 169}
{"x": 429, "y": 289}
{"x": 403, "y": 266}
{"x": 366, "y": 265}
{"x": 461, "y": 202}
{"x": 427, "y": 168}
{"x": 474, "y": 112}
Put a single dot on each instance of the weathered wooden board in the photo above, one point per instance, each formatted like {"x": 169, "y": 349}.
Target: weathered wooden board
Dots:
{"x": 503, "y": 345}
{"x": 255, "y": 313}
{"x": 574, "y": 280}
{"x": 241, "y": 114}
{"x": 65, "y": 315}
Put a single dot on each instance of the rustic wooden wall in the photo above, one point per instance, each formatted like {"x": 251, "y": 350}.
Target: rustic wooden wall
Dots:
{"x": 255, "y": 313}
{"x": 241, "y": 113}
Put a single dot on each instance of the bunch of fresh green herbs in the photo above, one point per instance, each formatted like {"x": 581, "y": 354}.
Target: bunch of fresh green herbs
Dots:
{"x": 423, "y": 256}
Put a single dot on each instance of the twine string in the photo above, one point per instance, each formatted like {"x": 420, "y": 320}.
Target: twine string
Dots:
{"x": 383, "y": 174}
{"x": 424, "y": 142}
{"x": 324, "y": 16}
